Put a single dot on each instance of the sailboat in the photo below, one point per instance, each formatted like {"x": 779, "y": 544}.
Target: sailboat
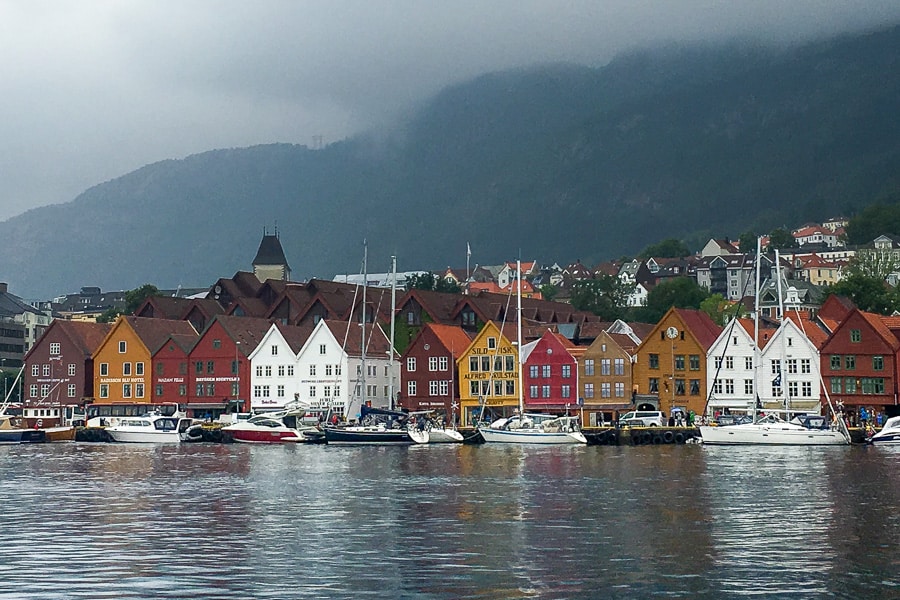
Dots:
{"x": 376, "y": 425}
{"x": 524, "y": 428}
{"x": 771, "y": 429}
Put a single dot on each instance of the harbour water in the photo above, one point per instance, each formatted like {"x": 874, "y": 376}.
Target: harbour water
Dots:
{"x": 232, "y": 521}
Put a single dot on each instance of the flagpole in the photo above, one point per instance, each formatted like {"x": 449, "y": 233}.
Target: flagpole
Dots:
{"x": 468, "y": 256}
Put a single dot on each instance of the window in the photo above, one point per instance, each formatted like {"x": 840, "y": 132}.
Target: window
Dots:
{"x": 792, "y": 389}
{"x": 654, "y": 361}
{"x": 104, "y": 390}
{"x": 71, "y": 390}
{"x": 257, "y": 391}
{"x": 432, "y": 363}
{"x": 533, "y": 371}
{"x": 492, "y": 343}
{"x": 654, "y": 385}
{"x": 210, "y": 366}
{"x": 717, "y": 362}
{"x": 234, "y": 367}
{"x": 604, "y": 366}
{"x": 836, "y": 362}
{"x": 620, "y": 390}
{"x": 589, "y": 366}
{"x": 126, "y": 390}
{"x": 235, "y": 389}
{"x": 748, "y": 363}
{"x": 274, "y": 350}
{"x": 126, "y": 369}
{"x": 835, "y": 385}
{"x": 104, "y": 369}
{"x": 312, "y": 370}
{"x": 159, "y": 390}
{"x": 444, "y": 362}
{"x": 567, "y": 391}
{"x": 290, "y": 370}
{"x": 589, "y": 390}
{"x": 855, "y": 335}
{"x": 54, "y": 348}
{"x": 510, "y": 387}
{"x": 46, "y": 370}
{"x": 279, "y": 391}
{"x": 36, "y": 370}
{"x": 139, "y": 368}
{"x": 473, "y": 364}
{"x": 566, "y": 371}
{"x": 729, "y": 386}
{"x": 729, "y": 362}
{"x": 679, "y": 362}
{"x": 281, "y": 370}
{"x": 259, "y": 370}
{"x": 485, "y": 363}
{"x": 312, "y": 391}
{"x": 619, "y": 366}
{"x": 510, "y": 363}
{"x": 329, "y": 370}
{"x": 694, "y": 362}
{"x": 411, "y": 388}
{"x": 32, "y": 390}
{"x": 776, "y": 366}
{"x": 850, "y": 362}
{"x": 545, "y": 391}
{"x": 411, "y": 363}
{"x": 139, "y": 390}
{"x": 217, "y": 344}
{"x": 679, "y": 387}
{"x": 605, "y": 389}
{"x": 432, "y": 388}
{"x": 545, "y": 371}
{"x": 806, "y": 389}
{"x": 199, "y": 389}
{"x": 321, "y": 348}
{"x": 717, "y": 386}
{"x": 532, "y": 391}
{"x": 850, "y": 385}
{"x": 792, "y": 366}
{"x": 210, "y": 389}
{"x": 805, "y": 366}
{"x": 444, "y": 387}
{"x": 872, "y": 385}
{"x": 198, "y": 367}
{"x": 748, "y": 387}
{"x": 327, "y": 391}
{"x": 695, "y": 387}
{"x": 122, "y": 347}
{"x": 878, "y": 363}
{"x": 182, "y": 389}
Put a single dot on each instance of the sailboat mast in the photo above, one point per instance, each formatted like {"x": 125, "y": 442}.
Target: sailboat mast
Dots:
{"x": 362, "y": 318}
{"x": 756, "y": 365}
{"x": 519, "y": 336}
{"x": 783, "y": 371}
{"x": 391, "y": 349}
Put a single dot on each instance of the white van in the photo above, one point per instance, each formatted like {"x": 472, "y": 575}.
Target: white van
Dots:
{"x": 644, "y": 418}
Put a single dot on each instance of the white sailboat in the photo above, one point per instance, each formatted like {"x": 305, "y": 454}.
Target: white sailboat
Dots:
{"x": 771, "y": 429}
{"x": 524, "y": 428}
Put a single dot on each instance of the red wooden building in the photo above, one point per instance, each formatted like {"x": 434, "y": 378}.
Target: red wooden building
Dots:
{"x": 550, "y": 375}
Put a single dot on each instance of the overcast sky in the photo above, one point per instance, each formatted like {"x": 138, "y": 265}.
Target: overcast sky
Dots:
{"x": 91, "y": 90}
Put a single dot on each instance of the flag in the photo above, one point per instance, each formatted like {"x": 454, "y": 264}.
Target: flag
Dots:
{"x": 777, "y": 381}
{"x": 468, "y": 250}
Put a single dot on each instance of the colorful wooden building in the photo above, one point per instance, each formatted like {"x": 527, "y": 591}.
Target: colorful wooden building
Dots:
{"x": 488, "y": 376}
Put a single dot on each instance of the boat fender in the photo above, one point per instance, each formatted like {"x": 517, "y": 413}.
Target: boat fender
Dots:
{"x": 668, "y": 437}
{"x": 39, "y": 423}
{"x": 657, "y": 439}
{"x": 679, "y": 438}
{"x": 645, "y": 438}
{"x": 636, "y": 439}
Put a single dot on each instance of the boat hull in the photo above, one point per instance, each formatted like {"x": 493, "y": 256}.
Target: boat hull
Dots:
{"x": 247, "y": 436}
{"x": 520, "y": 436}
{"x": 770, "y": 435}
{"x": 22, "y": 436}
{"x": 351, "y": 435}
{"x": 444, "y": 436}
{"x": 886, "y": 438}
{"x": 59, "y": 434}
{"x": 144, "y": 437}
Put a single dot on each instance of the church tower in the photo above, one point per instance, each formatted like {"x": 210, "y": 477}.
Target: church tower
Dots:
{"x": 270, "y": 262}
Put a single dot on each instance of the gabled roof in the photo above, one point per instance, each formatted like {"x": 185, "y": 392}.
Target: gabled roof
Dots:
{"x": 703, "y": 328}
{"x": 185, "y": 342}
{"x": 86, "y": 336}
{"x": 250, "y": 307}
{"x": 295, "y": 335}
{"x": 440, "y": 306}
{"x": 813, "y": 330}
{"x": 270, "y": 252}
{"x": 163, "y": 307}
{"x": 249, "y": 331}
{"x": 875, "y": 321}
{"x": 455, "y": 339}
{"x": 377, "y": 343}
{"x": 155, "y": 332}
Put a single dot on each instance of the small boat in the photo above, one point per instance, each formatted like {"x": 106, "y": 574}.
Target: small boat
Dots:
{"x": 12, "y": 433}
{"x": 534, "y": 429}
{"x": 150, "y": 428}
{"x": 889, "y": 434}
{"x": 437, "y": 432}
{"x": 265, "y": 429}
{"x": 377, "y": 426}
{"x": 811, "y": 430}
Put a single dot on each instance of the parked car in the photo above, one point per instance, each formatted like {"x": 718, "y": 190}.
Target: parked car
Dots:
{"x": 642, "y": 418}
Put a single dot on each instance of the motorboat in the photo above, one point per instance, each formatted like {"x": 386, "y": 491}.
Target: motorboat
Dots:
{"x": 809, "y": 430}
{"x": 534, "y": 428}
{"x": 889, "y": 434}
{"x": 437, "y": 432}
{"x": 266, "y": 429}
{"x": 150, "y": 428}
{"x": 12, "y": 433}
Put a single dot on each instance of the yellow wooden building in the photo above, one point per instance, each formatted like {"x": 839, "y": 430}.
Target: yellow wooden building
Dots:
{"x": 488, "y": 376}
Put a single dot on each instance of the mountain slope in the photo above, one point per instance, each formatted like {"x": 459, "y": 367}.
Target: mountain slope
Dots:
{"x": 557, "y": 162}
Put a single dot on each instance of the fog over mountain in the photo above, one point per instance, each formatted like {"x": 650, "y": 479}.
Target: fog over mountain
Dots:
{"x": 557, "y": 162}
{"x": 93, "y": 90}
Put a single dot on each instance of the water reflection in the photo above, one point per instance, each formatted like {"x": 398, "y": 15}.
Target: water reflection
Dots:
{"x": 226, "y": 521}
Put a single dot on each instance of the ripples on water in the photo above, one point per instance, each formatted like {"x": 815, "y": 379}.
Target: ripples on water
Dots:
{"x": 493, "y": 522}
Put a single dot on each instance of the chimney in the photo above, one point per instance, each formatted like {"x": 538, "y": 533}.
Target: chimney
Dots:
{"x": 3, "y": 287}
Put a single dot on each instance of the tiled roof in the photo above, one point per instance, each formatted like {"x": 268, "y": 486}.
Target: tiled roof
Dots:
{"x": 700, "y": 325}
{"x": 154, "y": 332}
{"x": 249, "y": 331}
{"x": 295, "y": 335}
{"x": 86, "y": 336}
{"x": 377, "y": 343}
{"x": 453, "y": 338}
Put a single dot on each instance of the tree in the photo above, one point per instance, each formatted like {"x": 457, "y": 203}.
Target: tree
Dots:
{"x": 867, "y": 289}
{"x": 781, "y": 238}
{"x": 431, "y": 282}
{"x": 717, "y": 307}
{"x": 133, "y": 300}
{"x": 670, "y": 248}
{"x": 606, "y": 296}
{"x": 747, "y": 242}
{"x": 680, "y": 292}
{"x": 549, "y": 291}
